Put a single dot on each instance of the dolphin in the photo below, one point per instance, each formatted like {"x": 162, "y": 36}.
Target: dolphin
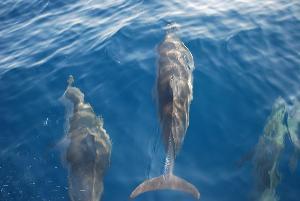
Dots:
{"x": 268, "y": 151}
{"x": 174, "y": 87}
{"x": 89, "y": 149}
{"x": 294, "y": 132}
{"x": 269, "y": 195}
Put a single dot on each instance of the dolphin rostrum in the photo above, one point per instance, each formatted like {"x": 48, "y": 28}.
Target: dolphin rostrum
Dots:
{"x": 174, "y": 95}
{"x": 89, "y": 149}
{"x": 268, "y": 151}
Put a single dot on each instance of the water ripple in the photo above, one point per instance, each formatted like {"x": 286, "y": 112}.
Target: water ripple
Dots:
{"x": 246, "y": 54}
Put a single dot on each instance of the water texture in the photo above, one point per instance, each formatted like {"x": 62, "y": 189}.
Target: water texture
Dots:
{"x": 246, "y": 54}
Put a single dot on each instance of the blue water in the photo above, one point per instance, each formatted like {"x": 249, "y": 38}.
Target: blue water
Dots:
{"x": 246, "y": 53}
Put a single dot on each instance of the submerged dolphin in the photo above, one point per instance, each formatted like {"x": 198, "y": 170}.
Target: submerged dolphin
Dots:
{"x": 267, "y": 152}
{"x": 174, "y": 91}
{"x": 89, "y": 150}
{"x": 294, "y": 132}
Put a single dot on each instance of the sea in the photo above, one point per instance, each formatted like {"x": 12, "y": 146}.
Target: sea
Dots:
{"x": 246, "y": 55}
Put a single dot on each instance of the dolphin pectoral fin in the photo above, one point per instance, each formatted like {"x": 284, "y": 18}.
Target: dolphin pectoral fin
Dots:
{"x": 163, "y": 182}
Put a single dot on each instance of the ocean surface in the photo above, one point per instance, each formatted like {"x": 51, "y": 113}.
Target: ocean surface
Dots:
{"x": 246, "y": 54}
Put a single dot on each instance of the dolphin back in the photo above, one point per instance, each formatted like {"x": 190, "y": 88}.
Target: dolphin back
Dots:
{"x": 174, "y": 89}
{"x": 88, "y": 158}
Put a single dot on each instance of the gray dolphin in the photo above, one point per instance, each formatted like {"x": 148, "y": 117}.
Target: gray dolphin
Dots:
{"x": 268, "y": 151}
{"x": 174, "y": 87}
{"x": 294, "y": 132}
{"x": 89, "y": 150}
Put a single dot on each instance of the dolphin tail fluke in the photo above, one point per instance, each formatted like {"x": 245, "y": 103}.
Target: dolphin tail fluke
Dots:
{"x": 166, "y": 181}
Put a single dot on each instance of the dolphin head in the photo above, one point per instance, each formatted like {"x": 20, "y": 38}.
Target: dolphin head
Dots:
{"x": 74, "y": 95}
{"x": 279, "y": 111}
{"x": 276, "y": 126}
